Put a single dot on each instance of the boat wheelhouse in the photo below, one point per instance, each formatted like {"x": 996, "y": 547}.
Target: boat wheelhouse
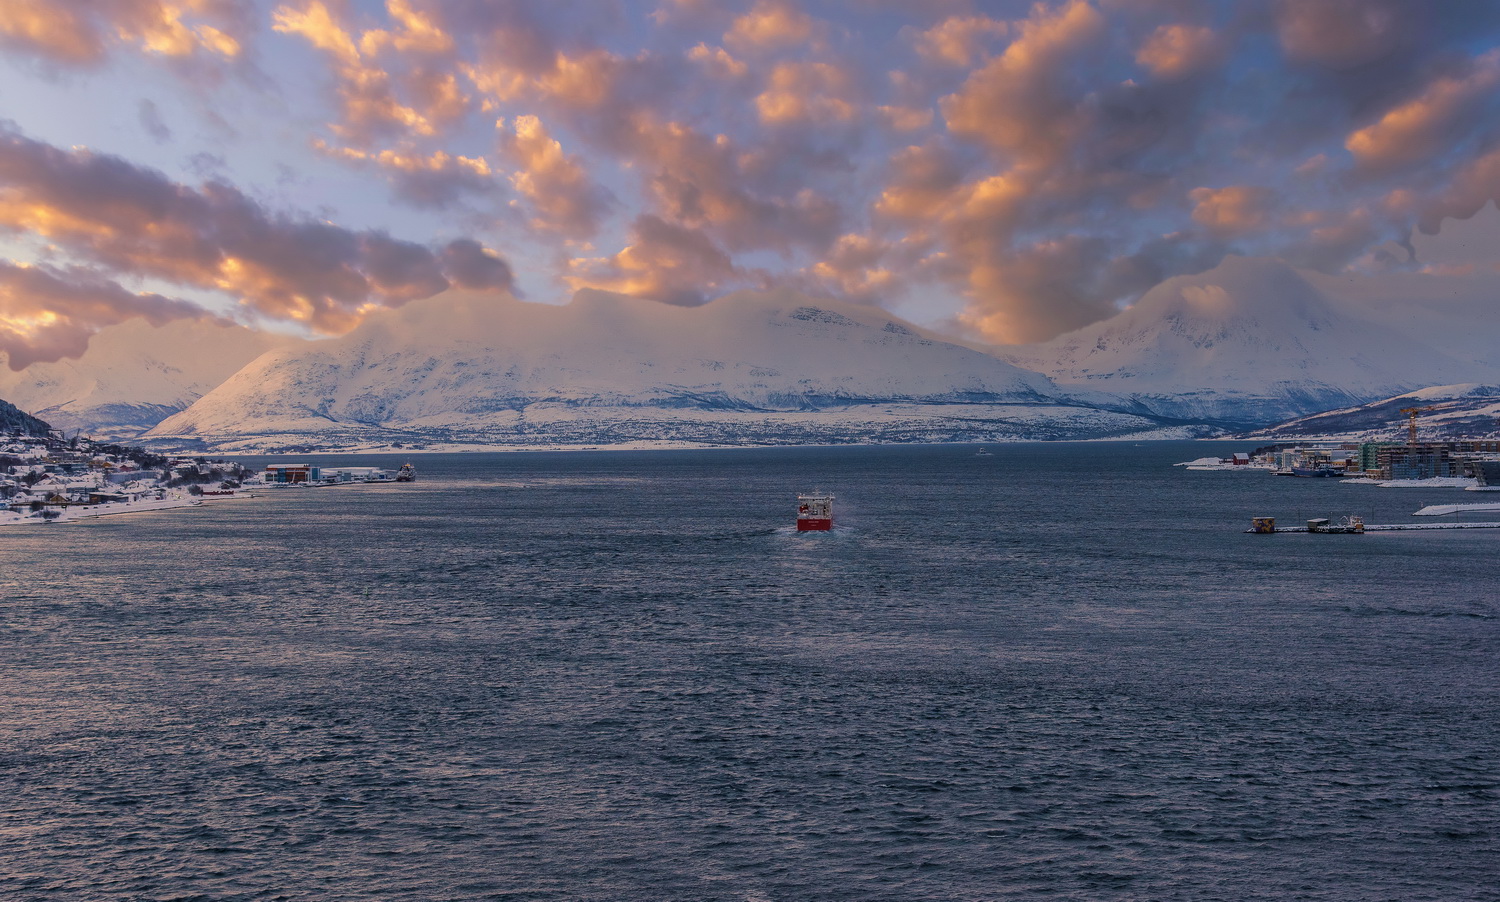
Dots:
{"x": 814, "y": 513}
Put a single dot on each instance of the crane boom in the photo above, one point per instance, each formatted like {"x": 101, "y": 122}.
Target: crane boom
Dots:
{"x": 1411, "y": 423}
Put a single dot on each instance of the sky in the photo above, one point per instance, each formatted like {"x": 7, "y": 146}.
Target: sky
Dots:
{"x": 1009, "y": 171}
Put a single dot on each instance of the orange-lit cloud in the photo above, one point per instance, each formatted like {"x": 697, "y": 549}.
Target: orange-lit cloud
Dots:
{"x": 1040, "y": 165}
{"x": 732, "y": 193}
{"x": 557, "y": 187}
{"x": 134, "y": 220}
{"x": 47, "y": 314}
{"x": 83, "y": 33}
{"x": 960, "y": 40}
{"x": 853, "y": 267}
{"x": 1015, "y": 103}
{"x": 905, "y": 118}
{"x": 1429, "y": 124}
{"x": 663, "y": 262}
{"x": 1037, "y": 292}
{"x": 1232, "y": 210}
{"x": 433, "y": 180}
{"x": 808, "y": 92}
{"x": 1175, "y": 51}
{"x": 770, "y": 24}
{"x": 418, "y": 99}
{"x": 718, "y": 61}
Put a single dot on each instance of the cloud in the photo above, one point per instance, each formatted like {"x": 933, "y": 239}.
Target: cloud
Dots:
{"x": 960, "y": 40}
{"x": 557, "y": 187}
{"x": 1233, "y": 210}
{"x": 471, "y": 265}
{"x": 421, "y": 97}
{"x": 943, "y": 148}
{"x": 742, "y": 197}
{"x": 1341, "y": 34}
{"x": 151, "y": 121}
{"x": 853, "y": 268}
{"x": 718, "y": 62}
{"x": 47, "y": 314}
{"x": 1176, "y": 51}
{"x": 1019, "y": 102}
{"x": 430, "y": 181}
{"x": 905, "y": 118}
{"x": 1475, "y": 184}
{"x": 82, "y": 34}
{"x": 135, "y": 220}
{"x": 771, "y": 24}
{"x": 808, "y": 92}
{"x": 920, "y": 183}
{"x": 1429, "y": 124}
{"x": 664, "y": 262}
{"x": 1040, "y": 291}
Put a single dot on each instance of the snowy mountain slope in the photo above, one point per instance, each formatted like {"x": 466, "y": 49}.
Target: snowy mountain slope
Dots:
{"x": 550, "y": 426}
{"x": 1255, "y": 341}
{"x": 486, "y": 365}
{"x": 135, "y": 374}
{"x": 13, "y": 419}
{"x": 1460, "y": 411}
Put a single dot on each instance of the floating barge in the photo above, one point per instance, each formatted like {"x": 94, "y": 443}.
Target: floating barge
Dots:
{"x": 1354, "y": 526}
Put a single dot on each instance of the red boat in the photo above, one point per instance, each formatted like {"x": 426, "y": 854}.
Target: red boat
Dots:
{"x": 814, "y": 512}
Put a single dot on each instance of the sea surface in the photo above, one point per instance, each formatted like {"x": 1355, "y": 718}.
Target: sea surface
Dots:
{"x": 1060, "y": 671}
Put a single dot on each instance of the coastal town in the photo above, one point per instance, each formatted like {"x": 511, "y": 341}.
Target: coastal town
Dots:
{"x": 53, "y": 477}
{"x": 1468, "y": 463}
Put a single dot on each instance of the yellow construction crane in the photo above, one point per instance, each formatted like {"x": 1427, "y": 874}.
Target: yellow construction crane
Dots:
{"x": 1411, "y": 422}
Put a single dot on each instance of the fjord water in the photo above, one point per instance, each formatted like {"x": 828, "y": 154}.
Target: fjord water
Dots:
{"x": 1059, "y": 671}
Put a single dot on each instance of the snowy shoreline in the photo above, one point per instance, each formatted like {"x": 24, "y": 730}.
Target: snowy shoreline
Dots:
{"x": 92, "y": 511}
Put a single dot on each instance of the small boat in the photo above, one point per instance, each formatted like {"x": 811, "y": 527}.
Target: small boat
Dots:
{"x": 814, "y": 513}
{"x": 983, "y": 453}
{"x": 407, "y": 473}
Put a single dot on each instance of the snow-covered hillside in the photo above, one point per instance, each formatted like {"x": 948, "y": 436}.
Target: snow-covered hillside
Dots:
{"x": 1254, "y": 341}
{"x": 1457, "y": 411}
{"x": 135, "y": 374}
{"x": 610, "y": 369}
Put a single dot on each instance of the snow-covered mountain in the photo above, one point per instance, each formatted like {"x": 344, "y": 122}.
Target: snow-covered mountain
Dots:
{"x": 134, "y": 374}
{"x": 1443, "y": 412}
{"x": 609, "y": 369}
{"x": 1254, "y": 341}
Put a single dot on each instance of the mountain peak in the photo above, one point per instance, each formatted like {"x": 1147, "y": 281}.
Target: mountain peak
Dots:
{"x": 1251, "y": 339}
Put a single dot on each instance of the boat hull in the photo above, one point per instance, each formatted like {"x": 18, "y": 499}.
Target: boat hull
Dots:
{"x": 814, "y": 524}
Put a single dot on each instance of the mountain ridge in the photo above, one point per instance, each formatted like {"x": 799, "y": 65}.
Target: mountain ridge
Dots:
{"x": 770, "y": 366}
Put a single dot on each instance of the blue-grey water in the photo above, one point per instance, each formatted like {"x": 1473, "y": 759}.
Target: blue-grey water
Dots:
{"x": 1057, "y": 672}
